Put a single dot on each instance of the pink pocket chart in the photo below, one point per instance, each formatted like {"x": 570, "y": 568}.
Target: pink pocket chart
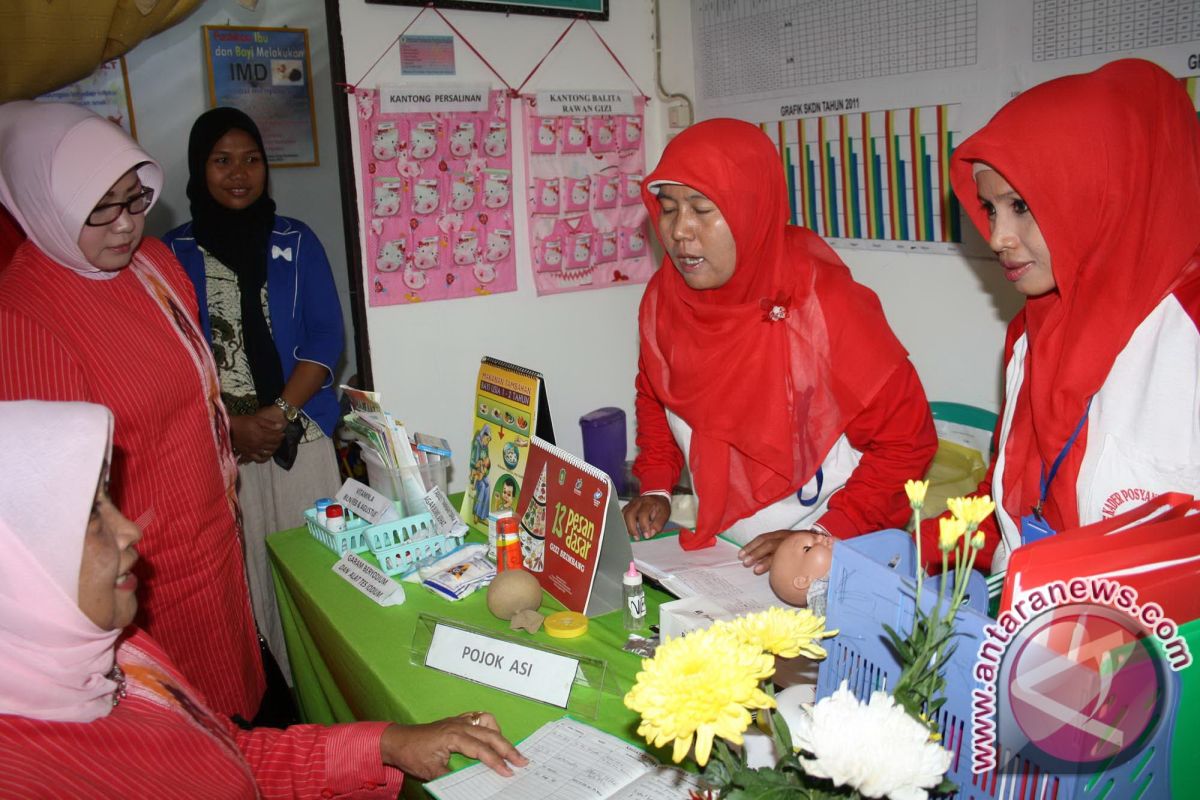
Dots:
{"x": 584, "y": 162}
{"x": 437, "y": 192}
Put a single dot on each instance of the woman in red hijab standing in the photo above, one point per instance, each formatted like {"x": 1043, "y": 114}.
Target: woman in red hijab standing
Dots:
{"x": 763, "y": 364}
{"x": 1088, "y": 189}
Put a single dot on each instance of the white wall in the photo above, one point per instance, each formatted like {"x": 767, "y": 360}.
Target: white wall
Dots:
{"x": 425, "y": 356}
{"x": 167, "y": 82}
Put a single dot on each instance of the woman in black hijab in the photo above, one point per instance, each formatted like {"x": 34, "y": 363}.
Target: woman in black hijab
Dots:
{"x": 269, "y": 307}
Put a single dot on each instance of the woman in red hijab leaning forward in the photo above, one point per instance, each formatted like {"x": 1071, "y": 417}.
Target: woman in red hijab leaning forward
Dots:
{"x": 763, "y": 364}
{"x": 1088, "y": 189}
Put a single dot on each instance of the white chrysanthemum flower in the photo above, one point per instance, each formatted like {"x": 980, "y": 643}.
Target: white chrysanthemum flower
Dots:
{"x": 875, "y": 748}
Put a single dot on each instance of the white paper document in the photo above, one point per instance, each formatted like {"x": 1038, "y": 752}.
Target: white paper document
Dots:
{"x": 714, "y": 573}
{"x": 569, "y": 760}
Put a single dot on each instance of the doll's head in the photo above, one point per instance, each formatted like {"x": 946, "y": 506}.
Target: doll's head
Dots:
{"x": 802, "y": 560}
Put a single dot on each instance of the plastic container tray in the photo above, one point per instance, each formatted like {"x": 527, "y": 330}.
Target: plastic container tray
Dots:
{"x": 401, "y": 545}
{"x": 398, "y": 545}
{"x": 871, "y": 583}
{"x": 353, "y": 539}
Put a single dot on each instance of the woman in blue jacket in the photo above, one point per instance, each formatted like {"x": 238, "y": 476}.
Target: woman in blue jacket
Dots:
{"x": 270, "y": 310}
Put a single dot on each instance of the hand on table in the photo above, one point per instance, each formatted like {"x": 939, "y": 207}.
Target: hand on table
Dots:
{"x": 255, "y": 437}
{"x": 645, "y": 516}
{"x": 423, "y": 751}
{"x": 758, "y": 552}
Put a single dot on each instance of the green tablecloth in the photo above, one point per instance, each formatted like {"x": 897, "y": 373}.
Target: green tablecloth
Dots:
{"x": 350, "y": 658}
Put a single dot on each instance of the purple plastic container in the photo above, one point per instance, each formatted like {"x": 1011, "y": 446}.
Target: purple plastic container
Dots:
{"x": 604, "y": 442}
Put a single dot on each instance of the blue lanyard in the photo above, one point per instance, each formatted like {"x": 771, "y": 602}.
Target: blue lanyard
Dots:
{"x": 1046, "y": 479}
{"x": 812, "y": 501}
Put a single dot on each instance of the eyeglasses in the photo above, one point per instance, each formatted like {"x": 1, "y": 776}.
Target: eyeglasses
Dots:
{"x": 109, "y": 212}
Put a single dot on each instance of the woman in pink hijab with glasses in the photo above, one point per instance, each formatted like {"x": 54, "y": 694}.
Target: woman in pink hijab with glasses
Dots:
{"x": 91, "y": 310}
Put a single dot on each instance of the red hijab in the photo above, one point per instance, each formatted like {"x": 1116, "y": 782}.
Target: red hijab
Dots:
{"x": 1109, "y": 165}
{"x": 766, "y": 399}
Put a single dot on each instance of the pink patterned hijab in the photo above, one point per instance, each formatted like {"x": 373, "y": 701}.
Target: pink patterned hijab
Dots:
{"x": 53, "y": 659}
{"x": 56, "y": 162}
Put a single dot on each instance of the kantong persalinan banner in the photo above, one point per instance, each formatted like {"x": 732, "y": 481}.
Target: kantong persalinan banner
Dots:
{"x": 437, "y": 192}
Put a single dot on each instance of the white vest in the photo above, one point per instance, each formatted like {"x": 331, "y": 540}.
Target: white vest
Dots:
{"x": 790, "y": 513}
{"x": 1143, "y": 432}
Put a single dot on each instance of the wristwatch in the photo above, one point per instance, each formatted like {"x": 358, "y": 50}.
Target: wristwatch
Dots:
{"x": 290, "y": 412}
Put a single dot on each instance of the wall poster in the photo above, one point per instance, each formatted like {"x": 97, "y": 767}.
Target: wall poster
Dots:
{"x": 105, "y": 91}
{"x": 267, "y": 73}
{"x": 437, "y": 192}
{"x": 585, "y": 158}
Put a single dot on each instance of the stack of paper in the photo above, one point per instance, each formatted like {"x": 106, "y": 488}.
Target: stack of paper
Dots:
{"x": 569, "y": 760}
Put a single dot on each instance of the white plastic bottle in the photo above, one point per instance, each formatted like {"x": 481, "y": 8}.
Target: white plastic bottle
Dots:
{"x": 634, "y": 597}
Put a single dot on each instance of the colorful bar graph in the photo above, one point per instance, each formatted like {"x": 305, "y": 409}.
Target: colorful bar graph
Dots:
{"x": 873, "y": 175}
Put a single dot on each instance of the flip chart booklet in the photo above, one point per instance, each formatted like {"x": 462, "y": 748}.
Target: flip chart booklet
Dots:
{"x": 573, "y": 538}
{"x": 510, "y": 407}
{"x": 569, "y": 760}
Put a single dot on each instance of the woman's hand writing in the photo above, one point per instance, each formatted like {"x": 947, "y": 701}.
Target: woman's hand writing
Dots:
{"x": 645, "y": 516}
{"x": 423, "y": 751}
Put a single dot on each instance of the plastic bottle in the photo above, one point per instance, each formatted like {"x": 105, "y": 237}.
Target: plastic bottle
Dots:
{"x": 320, "y": 507}
{"x": 508, "y": 544}
{"x": 335, "y": 521}
{"x": 634, "y": 597}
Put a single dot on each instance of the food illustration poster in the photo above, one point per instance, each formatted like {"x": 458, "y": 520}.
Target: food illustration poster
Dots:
{"x": 585, "y": 158}
{"x": 561, "y": 524}
{"x": 505, "y": 405}
{"x": 437, "y": 193}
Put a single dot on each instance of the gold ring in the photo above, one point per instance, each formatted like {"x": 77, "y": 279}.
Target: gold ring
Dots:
{"x": 475, "y": 717}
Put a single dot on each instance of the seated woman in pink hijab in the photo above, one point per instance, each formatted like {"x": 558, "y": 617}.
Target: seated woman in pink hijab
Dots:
{"x": 92, "y": 708}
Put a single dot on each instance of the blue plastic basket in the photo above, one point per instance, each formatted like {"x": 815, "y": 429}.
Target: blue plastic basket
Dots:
{"x": 353, "y": 539}
{"x": 871, "y": 583}
{"x": 401, "y": 545}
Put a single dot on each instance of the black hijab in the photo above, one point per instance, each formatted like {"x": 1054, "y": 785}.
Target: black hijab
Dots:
{"x": 239, "y": 240}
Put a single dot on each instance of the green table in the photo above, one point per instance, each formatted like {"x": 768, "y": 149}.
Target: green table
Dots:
{"x": 350, "y": 658}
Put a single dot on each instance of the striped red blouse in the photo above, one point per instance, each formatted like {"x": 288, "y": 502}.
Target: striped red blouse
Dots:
{"x": 64, "y": 337}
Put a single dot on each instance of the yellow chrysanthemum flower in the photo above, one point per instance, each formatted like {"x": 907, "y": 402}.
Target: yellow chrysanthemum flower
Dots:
{"x": 971, "y": 510}
{"x": 785, "y": 632}
{"x": 951, "y": 530}
{"x": 697, "y": 687}
{"x": 916, "y": 492}
{"x": 977, "y": 540}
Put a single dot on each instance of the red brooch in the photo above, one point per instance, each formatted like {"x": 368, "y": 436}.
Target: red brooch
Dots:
{"x": 777, "y": 309}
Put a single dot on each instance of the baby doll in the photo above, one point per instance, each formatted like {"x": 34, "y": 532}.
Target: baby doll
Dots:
{"x": 800, "y": 570}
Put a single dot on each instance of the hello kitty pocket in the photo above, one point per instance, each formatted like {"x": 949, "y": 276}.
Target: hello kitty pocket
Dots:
{"x": 631, "y": 132}
{"x": 462, "y": 139}
{"x": 462, "y": 191}
{"x": 550, "y": 255}
{"x": 579, "y": 250}
{"x": 605, "y": 249}
{"x": 387, "y": 197}
{"x": 426, "y": 254}
{"x": 392, "y": 255}
{"x": 496, "y": 188}
{"x": 545, "y": 195}
{"x": 632, "y": 241}
{"x": 427, "y": 196}
{"x": 499, "y": 245}
{"x": 466, "y": 248}
{"x": 631, "y": 188}
{"x": 606, "y": 188}
{"x": 495, "y": 143}
{"x": 604, "y": 134}
{"x": 574, "y": 135}
{"x": 578, "y": 193}
{"x": 545, "y": 136}
{"x": 386, "y": 144}
{"x": 423, "y": 141}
